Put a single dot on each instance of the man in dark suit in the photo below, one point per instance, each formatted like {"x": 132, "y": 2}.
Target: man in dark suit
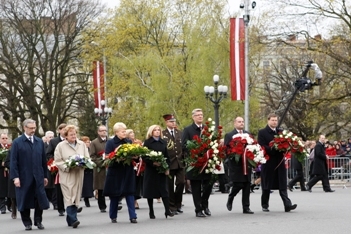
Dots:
{"x": 29, "y": 174}
{"x": 201, "y": 185}
{"x": 273, "y": 172}
{"x": 174, "y": 146}
{"x": 239, "y": 180}
{"x": 320, "y": 167}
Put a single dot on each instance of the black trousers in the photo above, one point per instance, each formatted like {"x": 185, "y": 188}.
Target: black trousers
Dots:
{"x": 283, "y": 194}
{"x": 176, "y": 187}
{"x": 323, "y": 178}
{"x": 101, "y": 200}
{"x": 245, "y": 187}
{"x": 59, "y": 197}
{"x": 38, "y": 213}
{"x": 298, "y": 178}
{"x": 200, "y": 198}
{"x": 51, "y": 194}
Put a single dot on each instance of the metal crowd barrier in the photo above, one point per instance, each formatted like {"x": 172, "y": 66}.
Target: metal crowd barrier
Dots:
{"x": 339, "y": 170}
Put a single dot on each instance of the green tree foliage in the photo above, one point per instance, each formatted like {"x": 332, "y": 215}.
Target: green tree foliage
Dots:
{"x": 161, "y": 53}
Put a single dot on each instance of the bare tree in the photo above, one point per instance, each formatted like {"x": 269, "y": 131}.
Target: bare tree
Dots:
{"x": 41, "y": 75}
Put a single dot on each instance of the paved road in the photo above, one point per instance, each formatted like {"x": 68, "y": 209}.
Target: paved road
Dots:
{"x": 317, "y": 212}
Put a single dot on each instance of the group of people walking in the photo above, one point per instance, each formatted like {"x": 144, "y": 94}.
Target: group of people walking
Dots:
{"x": 29, "y": 171}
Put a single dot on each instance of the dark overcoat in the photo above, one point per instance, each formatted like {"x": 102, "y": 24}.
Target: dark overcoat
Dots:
{"x": 50, "y": 149}
{"x": 188, "y": 133}
{"x": 120, "y": 178}
{"x": 236, "y": 173}
{"x": 273, "y": 172}
{"x": 4, "y": 177}
{"x": 320, "y": 166}
{"x": 28, "y": 163}
{"x": 97, "y": 146}
{"x": 11, "y": 186}
{"x": 155, "y": 183}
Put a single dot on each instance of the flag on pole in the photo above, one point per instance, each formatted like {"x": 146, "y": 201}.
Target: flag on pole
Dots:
{"x": 98, "y": 78}
{"x": 237, "y": 58}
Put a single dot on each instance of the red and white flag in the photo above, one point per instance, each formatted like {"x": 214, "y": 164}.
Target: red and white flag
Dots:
{"x": 237, "y": 58}
{"x": 98, "y": 78}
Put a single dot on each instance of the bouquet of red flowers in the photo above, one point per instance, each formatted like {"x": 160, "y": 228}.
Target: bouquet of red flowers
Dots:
{"x": 52, "y": 166}
{"x": 125, "y": 153}
{"x": 206, "y": 152}
{"x": 287, "y": 141}
{"x": 246, "y": 147}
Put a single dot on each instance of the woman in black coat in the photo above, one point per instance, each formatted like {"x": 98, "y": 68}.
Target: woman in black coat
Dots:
{"x": 155, "y": 183}
{"x": 120, "y": 178}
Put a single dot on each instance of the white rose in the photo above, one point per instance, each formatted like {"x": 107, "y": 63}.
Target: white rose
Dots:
{"x": 211, "y": 169}
{"x": 216, "y": 151}
{"x": 215, "y": 158}
{"x": 213, "y": 128}
{"x": 218, "y": 162}
{"x": 209, "y": 119}
{"x": 209, "y": 161}
{"x": 207, "y": 171}
{"x": 214, "y": 166}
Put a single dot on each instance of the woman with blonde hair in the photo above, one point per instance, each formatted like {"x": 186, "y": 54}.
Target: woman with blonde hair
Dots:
{"x": 71, "y": 179}
{"x": 120, "y": 178}
{"x": 155, "y": 183}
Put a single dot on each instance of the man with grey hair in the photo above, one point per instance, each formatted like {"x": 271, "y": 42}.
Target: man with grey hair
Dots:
{"x": 29, "y": 174}
{"x": 201, "y": 185}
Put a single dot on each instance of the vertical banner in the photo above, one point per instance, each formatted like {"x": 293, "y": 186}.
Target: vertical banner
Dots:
{"x": 98, "y": 78}
{"x": 237, "y": 58}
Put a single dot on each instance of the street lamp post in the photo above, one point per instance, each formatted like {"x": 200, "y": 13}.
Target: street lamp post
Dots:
{"x": 215, "y": 95}
{"x": 103, "y": 113}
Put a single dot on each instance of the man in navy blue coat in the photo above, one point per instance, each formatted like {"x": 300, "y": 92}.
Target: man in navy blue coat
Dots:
{"x": 29, "y": 174}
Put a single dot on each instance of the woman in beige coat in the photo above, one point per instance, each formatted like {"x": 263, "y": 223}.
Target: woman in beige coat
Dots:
{"x": 71, "y": 179}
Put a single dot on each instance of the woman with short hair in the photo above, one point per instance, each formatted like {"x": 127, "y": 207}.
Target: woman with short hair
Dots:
{"x": 120, "y": 178}
{"x": 71, "y": 179}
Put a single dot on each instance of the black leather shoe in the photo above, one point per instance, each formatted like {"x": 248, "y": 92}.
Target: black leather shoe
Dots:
{"x": 3, "y": 212}
{"x": 113, "y": 220}
{"x": 79, "y": 209}
{"x": 290, "y": 188}
{"x": 265, "y": 209}
{"x": 207, "y": 212}
{"x": 248, "y": 211}
{"x": 119, "y": 207}
{"x": 229, "y": 205}
{"x": 152, "y": 215}
{"x": 28, "y": 227}
{"x": 61, "y": 213}
{"x": 308, "y": 188}
{"x": 329, "y": 191}
{"x": 103, "y": 210}
{"x": 289, "y": 208}
{"x": 179, "y": 210}
{"x": 75, "y": 224}
{"x": 200, "y": 214}
{"x": 39, "y": 226}
{"x": 133, "y": 221}
{"x": 9, "y": 208}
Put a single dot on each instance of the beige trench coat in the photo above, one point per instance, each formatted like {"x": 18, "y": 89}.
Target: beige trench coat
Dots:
{"x": 71, "y": 180}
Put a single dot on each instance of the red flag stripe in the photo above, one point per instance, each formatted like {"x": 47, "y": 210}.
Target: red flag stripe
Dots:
{"x": 98, "y": 80}
{"x": 237, "y": 58}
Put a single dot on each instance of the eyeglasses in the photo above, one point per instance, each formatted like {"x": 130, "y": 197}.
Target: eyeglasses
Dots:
{"x": 199, "y": 115}
{"x": 32, "y": 128}
{"x": 103, "y": 130}
{"x": 4, "y": 138}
